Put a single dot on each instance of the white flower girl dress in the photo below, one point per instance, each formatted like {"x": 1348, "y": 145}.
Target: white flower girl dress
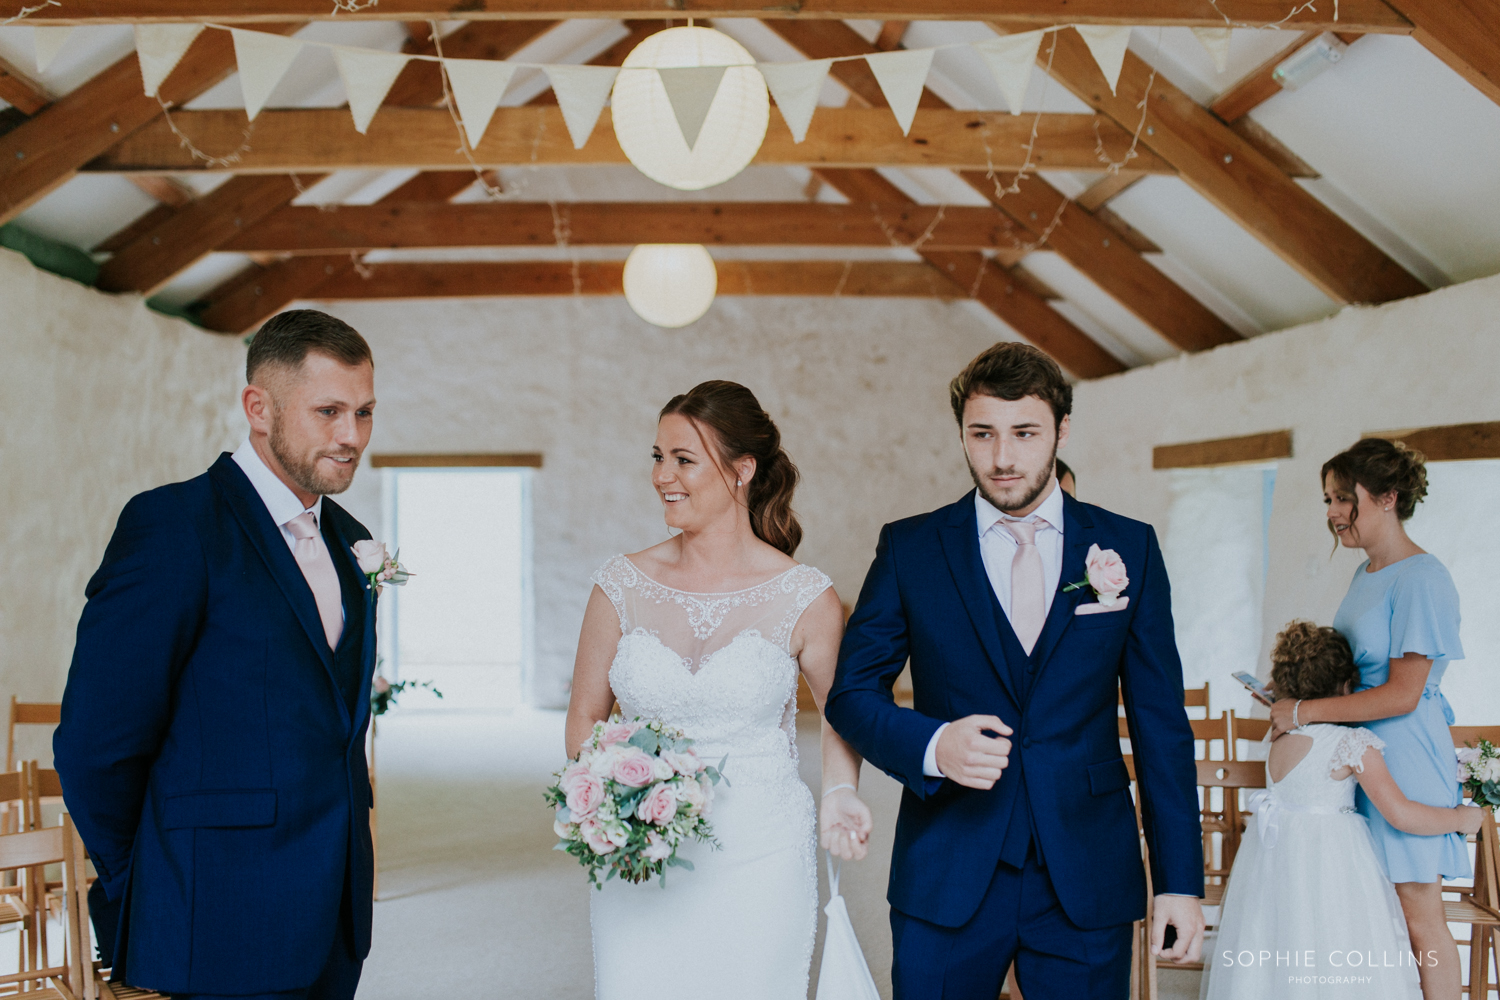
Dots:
{"x": 1309, "y": 911}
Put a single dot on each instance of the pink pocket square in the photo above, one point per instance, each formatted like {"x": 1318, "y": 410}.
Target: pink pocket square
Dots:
{"x": 1099, "y": 609}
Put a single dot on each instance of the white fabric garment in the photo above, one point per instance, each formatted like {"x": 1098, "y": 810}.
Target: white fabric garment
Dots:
{"x": 844, "y": 974}
{"x": 159, "y": 48}
{"x": 997, "y": 547}
{"x": 718, "y": 667}
{"x": 48, "y": 41}
{"x": 1318, "y": 891}
{"x": 796, "y": 87}
{"x": 263, "y": 59}
{"x": 278, "y": 497}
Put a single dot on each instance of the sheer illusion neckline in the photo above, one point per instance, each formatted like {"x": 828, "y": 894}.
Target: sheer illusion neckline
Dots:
{"x": 710, "y": 593}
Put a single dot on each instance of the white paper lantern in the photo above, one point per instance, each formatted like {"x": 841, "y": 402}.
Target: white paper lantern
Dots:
{"x": 670, "y": 284}
{"x": 647, "y": 128}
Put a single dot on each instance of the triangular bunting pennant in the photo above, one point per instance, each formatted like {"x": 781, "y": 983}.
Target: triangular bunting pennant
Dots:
{"x": 1107, "y": 44}
{"x": 901, "y": 76}
{"x": 1012, "y": 58}
{"x": 1216, "y": 41}
{"x": 263, "y": 60}
{"x": 581, "y": 92}
{"x": 368, "y": 76}
{"x": 478, "y": 85}
{"x": 160, "y": 47}
{"x": 796, "y": 87}
{"x": 691, "y": 91}
{"x": 47, "y": 42}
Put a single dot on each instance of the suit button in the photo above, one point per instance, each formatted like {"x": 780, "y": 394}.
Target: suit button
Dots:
{"x": 1026, "y": 741}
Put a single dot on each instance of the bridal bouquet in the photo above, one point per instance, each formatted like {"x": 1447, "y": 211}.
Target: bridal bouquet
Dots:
{"x": 635, "y": 793}
{"x": 1479, "y": 773}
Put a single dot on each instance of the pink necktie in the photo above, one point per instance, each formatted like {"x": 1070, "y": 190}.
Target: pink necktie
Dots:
{"x": 317, "y": 566}
{"x": 1028, "y": 606}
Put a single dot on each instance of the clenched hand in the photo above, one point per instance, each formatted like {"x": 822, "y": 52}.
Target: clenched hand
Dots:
{"x": 970, "y": 758}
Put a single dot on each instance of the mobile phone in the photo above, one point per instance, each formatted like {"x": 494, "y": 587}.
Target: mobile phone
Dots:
{"x": 1257, "y": 690}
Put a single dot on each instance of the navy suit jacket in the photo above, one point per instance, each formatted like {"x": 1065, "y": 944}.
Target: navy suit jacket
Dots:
{"x": 927, "y": 597}
{"x": 207, "y": 755}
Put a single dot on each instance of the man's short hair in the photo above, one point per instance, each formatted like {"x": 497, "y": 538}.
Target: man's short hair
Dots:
{"x": 287, "y": 338}
{"x": 1063, "y": 469}
{"x": 1012, "y": 371}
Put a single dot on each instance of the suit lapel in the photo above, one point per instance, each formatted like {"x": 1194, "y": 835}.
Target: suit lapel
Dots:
{"x": 1078, "y": 535}
{"x": 960, "y": 541}
{"x": 337, "y": 539}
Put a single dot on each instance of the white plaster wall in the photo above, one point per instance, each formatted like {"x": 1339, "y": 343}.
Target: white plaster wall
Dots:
{"x": 858, "y": 387}
{"x": 100, "y": 398}
{"x": 1425, "y": 361}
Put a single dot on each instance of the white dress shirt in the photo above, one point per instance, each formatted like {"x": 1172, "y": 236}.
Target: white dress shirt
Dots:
{"x": 997, "y": 547}
{"x": 276, "y": 495}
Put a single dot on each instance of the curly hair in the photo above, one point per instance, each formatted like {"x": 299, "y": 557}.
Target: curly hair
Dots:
{"x": 1381, "y": 467}
{"x": 1311, "y": 661}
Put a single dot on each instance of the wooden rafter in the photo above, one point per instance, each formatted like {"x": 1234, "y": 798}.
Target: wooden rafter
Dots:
{"x": 1355, "y": 15}
{"x": 43, "y": 153}
{"x": 1258, "y": 85}
{"x": 475, "y": 279}
{"x": 1465, "y": 34}
{"x": 158, "y": 254}
{"x": 20, "y": 91}
{"x": 1082, "y": 239}
{"x": 299, "y": 229}
{"x": 1230, "y": 172}
{"x": 315, "y": 139}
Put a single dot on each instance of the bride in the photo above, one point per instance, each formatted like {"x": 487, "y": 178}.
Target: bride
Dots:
{"x": 707, "y": 632}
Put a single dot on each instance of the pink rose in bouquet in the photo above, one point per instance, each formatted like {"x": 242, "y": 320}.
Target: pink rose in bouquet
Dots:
{"x": 634, "y": 770}
{"x": 659, "y": 806}
{"x": 619, "y": 808}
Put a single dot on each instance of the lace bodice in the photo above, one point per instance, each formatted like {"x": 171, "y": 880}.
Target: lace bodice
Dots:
{"x": 717, "y": 666}
{"x": 1309, "y": 786}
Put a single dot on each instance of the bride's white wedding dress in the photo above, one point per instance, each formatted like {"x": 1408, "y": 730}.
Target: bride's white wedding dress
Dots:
{"x": 1309, "y": 911}
{"x": 741, "y": 924}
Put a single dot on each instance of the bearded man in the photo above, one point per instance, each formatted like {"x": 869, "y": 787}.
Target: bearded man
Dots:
{"x": 1024, "y": 615}
{"x": 212, "y": 748}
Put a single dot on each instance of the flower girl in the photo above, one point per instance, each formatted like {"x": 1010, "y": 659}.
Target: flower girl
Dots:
{"x": 1308, "y": 912}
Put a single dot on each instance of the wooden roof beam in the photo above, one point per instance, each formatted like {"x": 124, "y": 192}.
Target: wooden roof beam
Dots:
{"x": 1465, "y": 34}
{"x": 41, "y": 154}
{"x": 1236, "y": 177}
{"x": 1353, "y": 15}
{"x": 20, "y": 91}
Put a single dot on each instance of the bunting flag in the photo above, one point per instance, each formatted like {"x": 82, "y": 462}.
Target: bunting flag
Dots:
{"x": 47, "y": 42}
{"x": 263, "y": 60}
{"x": 1216, "y": 41}
{"x": 1011, "y": 59}
{"x": 581, "y": 92}
{"x": 691, "y": 91}
{"x": 1107, "y": 44}
{"x": 478, "y": 85}
{"x": 901, "y": 75}
{"x": 160, "y": 47}
{"x": 796, "y": 87}
{"x": 368, "y": 76}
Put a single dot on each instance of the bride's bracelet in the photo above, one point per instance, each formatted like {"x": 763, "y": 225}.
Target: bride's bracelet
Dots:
{"x": 837, "y": 787}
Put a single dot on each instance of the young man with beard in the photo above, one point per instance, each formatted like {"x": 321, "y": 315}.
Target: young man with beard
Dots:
{"x": 212, "y": 740}
{"x": 1017, "y": 835}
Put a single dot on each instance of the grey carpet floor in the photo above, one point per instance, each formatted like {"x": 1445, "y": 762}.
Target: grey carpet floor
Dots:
{"x": 475, "y": 903}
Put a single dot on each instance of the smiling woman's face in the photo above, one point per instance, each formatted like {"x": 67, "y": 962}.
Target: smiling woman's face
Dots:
{"x": 694, "y": 490}
{"x": 1342, "y": 516}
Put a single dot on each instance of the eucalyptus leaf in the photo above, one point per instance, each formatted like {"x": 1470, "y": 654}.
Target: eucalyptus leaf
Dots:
{"x": 646, "y": 740}
{"x": 677, "y": 862}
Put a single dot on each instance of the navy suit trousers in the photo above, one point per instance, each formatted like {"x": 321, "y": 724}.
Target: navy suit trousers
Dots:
{"x": 1020, "y": 920}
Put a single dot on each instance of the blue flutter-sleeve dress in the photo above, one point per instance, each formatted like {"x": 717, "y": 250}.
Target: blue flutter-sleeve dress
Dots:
{"x": 1410, "y": 606}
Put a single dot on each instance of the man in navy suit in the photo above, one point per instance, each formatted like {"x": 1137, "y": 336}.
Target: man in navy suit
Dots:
{"x": 212, "y": 747}
{"x": 1017, "y": 837}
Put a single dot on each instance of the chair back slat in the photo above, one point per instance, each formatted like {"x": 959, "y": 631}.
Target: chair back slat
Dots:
{"x": 32, "y": 848}
{"x": 35, "y": 713}
{"x": 1232, "y": 773}
{"x": 48, "y": 784}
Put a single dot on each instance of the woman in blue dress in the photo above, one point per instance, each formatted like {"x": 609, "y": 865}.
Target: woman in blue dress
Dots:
{"x": 1401, "y": 619}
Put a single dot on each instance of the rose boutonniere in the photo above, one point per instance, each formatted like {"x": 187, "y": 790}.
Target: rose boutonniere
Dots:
{"x": 1105, "y": 575}
{"x": 379, "y": 567}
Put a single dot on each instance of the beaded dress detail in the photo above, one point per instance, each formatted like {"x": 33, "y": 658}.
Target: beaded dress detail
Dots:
{"x": 718, "y": 667}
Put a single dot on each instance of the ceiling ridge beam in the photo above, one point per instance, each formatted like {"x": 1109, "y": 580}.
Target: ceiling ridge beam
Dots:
{"x": 1236, "y": 177}
{"x": 42, "y": 154}
{"x": 1465, "y": 34}
{"x": 1050, "y": 219}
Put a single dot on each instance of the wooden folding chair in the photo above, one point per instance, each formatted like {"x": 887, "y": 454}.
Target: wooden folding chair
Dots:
{"x": 1478, "y": 905}
{"x": 28, "y": 713}
{"x": 1247, "y": 729}
{"x": 1223, "y": 823}
{"x": 1206, "y": 732}
{"x": 28, "y": 854}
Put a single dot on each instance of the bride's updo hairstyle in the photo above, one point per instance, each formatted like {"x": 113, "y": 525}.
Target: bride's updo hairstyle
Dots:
{"x": 741, "y": 428}
{"x": 1311, "y": 661}
{"x": 1381, "y": 467}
